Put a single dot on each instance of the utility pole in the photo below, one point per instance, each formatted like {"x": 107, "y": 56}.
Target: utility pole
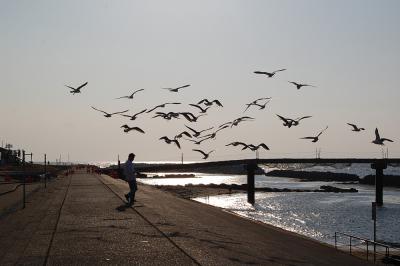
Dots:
{"x": 23, "y": 186}
{"x": 45, "y": 171}
{"x": 182, "y": 157}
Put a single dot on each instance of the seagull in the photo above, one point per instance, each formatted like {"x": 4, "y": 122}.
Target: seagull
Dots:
{"x": 355, "y": 128}
{"x": 130, "y": 96}
{"x": 191, "y": 117}
{"x": 288, "y": 122}
{"x": 133, "y": 117}
{"x": 255, "y": 102}
{"x": 269, "y": 74}
{"x": 299, "y": 85}
{"x": 127, "y": 129}
{"x": 169, "y": 141}
{"x": 78, "y": 89}
{"x": 378, "y": 140}
{"x": 240, "y": 119}
{"x": 109, "y": 114}
{"x": 237, "y": 143}
{"x": 315, "y": 139}
{"x": 202, "y": 110}
{"x": 197, "y": 133}
{"x": 204, "y": 153}
{"x": 176, "y": 89}
{"x": 214, "y": 134}
{"x": 255, "y": 148}
{"x": 160, "y": 106}
{"x": 208, "y": 103}
{"x": 180, "y": 135}
{"x": 167, "y": 116}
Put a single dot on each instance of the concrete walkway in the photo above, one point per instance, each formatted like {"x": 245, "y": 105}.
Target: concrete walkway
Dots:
{"x": 81, "y": 219}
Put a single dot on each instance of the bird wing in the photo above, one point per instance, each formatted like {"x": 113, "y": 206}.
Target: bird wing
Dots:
{"x": 354, "y": 126}
{"x": 181, "y": 87}
{"x": 261, "y": 72}
{"x": 140, "y": 112}
{"x": 283, "y": 69}
{"x": 196, "y": 132}
{"x": 149, "y": 111}
{"x": 136, "y": 91}
{"x": 121, "y": 112}
{"x": 263, "y": 146}
{"x": 226, "y": 126}
{"x": 83, "y": 85}
{"x": 186, "y": 134}
{"x": 384, "y": 139}
{"x": 202, "y": 152}
{"x": 218, "y": 103}
{"x": 99, "y": 110}
{"x": 72, "y": 88}
{"x": 122, "y": 97}
{"x": 301, "y": 118}
{"x": 138, "y": 129}
{"x": 308, "y": 138}
{"x": 171, "y": 103}
{"x": 177, "y": 143}
{"x": 204, "y": 100}
{"x": 164, "y": 138}
{"x": 197, "y": 106}
{"x": 377, "y": 134}
{"x": 295, "y": 83}
{"x": 206, "y": 129}
{"x": 283, "y": 118}
{"x": 322, "y": 131}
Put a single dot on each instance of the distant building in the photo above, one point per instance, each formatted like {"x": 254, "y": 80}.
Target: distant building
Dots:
{"x": 8, "y": 156}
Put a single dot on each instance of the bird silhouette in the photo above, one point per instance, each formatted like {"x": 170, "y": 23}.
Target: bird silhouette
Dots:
{"x": 197, "y": 133}
{"x": 78, "y": 89}
{"x": 169, "y": 141}
{"x": 202, "y": 110}
{"x": 130, "y": 96}
{"x": 255, "y": 148}
{"x": 167, "y": 116}
{"x": 269, "y": 74}
{"x": 288, "y": 122}
{"x": 255, "y": 102}
{"x": 127, "y": 129}
{"x": 299, "y": 85}
{"x": 109, "y": 114}
{"x": 176, "y": 89}
{"x": 184, "y": 133}
{"x": 316, "y": 138}
{"x": 214, "y": 134}
{"x": 133, "y": 117}
{"x": 355, "y": 128}
{"x": 378, "y": 140}
{"x": 205, "y": 154}
{"x": 191, "y": 117}
{"x": 209, "y": 103}
{"x": 236, "y": 143}
{"x": 160, "y": 106}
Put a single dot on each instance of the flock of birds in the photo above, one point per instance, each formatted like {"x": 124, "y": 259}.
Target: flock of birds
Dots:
{"x": 197, "y": 136}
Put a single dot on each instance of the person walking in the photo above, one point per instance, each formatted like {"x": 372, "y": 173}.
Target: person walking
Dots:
{"x": 130, "y": 177}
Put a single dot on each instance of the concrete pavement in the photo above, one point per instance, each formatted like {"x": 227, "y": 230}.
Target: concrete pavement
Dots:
{"x": 81, "y": 219}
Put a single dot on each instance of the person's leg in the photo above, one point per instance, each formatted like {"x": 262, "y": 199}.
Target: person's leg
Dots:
{"x": 131, "y": 194}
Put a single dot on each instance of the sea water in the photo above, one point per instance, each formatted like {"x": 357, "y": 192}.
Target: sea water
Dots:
{"x": 314, "y": 214}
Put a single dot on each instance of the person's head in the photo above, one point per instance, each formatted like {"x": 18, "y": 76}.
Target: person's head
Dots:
{"x": 131, "y": 156}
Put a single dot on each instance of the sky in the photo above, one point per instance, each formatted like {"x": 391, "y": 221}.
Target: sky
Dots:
{"x": 348, "y": 49}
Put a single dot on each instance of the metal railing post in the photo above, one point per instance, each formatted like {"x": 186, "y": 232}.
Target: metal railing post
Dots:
{"x": 23, "y": 186}
{"x": 45, "y": 171}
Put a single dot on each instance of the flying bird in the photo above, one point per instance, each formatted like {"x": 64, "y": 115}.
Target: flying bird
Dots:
{"x": 355, "y": 128}
{"x": 315, "y": 139}
{"x": 237, "y": 143}
{"x": 78, "y": 89}
{"x": 180, "y": 135}
{"x": 197, "y": 132}
{"x": 133, "y": 117}
{"x": 208, "y": 103}
{"x": 261, "y": 106}
{"x": 176, "y": 89}
{"x": 255, "y": 148}
{"x": 130, "y": 96}
{"x": 202, "y": 110}
{"x": 378, "y": 140}
{"x": 160, "y": 106}
{"x": 269, "y": 74}
{"x": 191, "y": 117}
{"x": 214, "y": 134}
{"x": 169, "y": 141}
{"x": 288, "y": 122}
{"x": 299, "y": 85}
{"x": 127, "y": 129}
{"x": 205, "y": 155}
{"x": 109, "y": 114}
{"x": 167, "y": 116}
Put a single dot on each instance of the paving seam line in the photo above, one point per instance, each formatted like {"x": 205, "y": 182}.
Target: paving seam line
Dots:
{"x": 57, "y": 222}
{"x": 153, "y": 225}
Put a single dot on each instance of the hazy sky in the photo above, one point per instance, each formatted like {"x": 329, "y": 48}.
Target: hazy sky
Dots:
{"x": 348, "y": 49}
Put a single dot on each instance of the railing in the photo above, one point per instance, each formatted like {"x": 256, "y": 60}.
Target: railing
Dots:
{"x": 363, "y": 248}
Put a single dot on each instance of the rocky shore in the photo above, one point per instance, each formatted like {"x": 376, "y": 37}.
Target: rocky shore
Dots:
{"x": 201, "y": 190}
{"x": 314, "y": 175}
